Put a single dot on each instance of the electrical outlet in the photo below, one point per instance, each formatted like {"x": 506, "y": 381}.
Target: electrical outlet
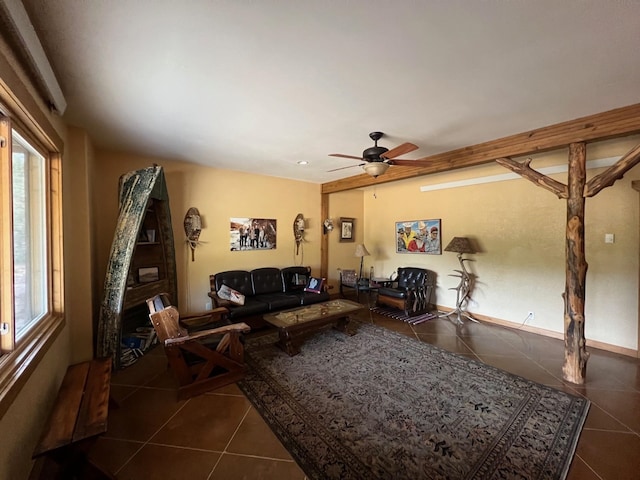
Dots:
{"x": 207, "y": 306}
{"x": 531, "y": 316}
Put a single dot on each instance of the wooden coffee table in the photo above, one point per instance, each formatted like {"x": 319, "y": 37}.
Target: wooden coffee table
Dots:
{"x": 299, "y": 323}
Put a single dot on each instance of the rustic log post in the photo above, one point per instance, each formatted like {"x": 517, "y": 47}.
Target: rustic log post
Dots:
{"x": 575, "y": 352}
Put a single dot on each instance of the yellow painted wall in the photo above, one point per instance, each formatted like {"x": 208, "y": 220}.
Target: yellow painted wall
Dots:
{"x": 521, "y": 230}
{"x": 342, "y": 254}
{"x": 218, "y": 195}
{"x": 79, "y": 240}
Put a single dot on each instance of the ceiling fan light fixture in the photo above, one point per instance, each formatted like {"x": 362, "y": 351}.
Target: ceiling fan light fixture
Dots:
{"x": 375, "y": 168}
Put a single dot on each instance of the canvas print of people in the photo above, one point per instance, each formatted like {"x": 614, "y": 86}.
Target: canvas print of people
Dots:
{"x": 252, "y": 234}
{"x": 418, "y": 236}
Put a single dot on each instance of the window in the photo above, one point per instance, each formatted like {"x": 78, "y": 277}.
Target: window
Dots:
{"x": 30, "y": 253}
{"x": 29, "y": 234}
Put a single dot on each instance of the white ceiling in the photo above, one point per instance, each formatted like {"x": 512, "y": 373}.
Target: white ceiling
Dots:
{"x": 260, "y": 85}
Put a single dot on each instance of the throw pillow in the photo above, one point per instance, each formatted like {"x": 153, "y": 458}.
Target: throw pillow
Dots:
{"x": 314, "y": 285}
{"x": 227, "y": 293}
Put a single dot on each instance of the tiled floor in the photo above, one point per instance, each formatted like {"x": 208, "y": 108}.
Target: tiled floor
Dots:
{"x": 219, "y": 435}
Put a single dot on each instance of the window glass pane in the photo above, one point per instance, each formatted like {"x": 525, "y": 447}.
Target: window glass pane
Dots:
{"x": 29, "y": 234}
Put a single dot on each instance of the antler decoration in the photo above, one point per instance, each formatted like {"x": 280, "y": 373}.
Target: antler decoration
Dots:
{"x": 192, "y": 228}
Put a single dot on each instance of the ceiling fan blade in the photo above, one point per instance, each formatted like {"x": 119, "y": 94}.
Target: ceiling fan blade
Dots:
{"x": 400, "y": 150}
{"x": 342, "y": 168}
{"x": 409, "y": 163}
{"x": 344, "y": 156}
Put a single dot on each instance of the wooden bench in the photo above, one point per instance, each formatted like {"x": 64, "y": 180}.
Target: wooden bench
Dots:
{"x": 79, "y": 415}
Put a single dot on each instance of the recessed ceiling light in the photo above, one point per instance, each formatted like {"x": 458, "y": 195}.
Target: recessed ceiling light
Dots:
{"x": 303, "y": 162}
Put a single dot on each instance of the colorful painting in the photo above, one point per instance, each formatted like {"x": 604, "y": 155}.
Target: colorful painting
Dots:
{"x": 252, "y": 234}
{"x": 418, "y": 236}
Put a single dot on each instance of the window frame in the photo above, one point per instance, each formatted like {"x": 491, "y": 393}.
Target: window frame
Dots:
{"x": 20, "y": 358}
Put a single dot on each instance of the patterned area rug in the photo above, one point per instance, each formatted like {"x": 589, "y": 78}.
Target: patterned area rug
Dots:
{"x": 400, "y": 315}
{"x": 380, "y": 405}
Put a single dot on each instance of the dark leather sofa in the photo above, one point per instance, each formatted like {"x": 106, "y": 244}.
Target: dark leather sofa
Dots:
{"x": 412, "y": 292}
{"x": 266, "y": 290}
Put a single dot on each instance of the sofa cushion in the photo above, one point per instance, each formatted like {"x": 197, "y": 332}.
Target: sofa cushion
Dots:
{"x": 267, "y": 280}
{"x": 252, "y": 306}
{"x": 392, "y": 292}
{"x": 295, "y": 278}
{"x": 279, "y": 301}
{"x": 308, "y": 298}
{"x": 239, "y": 280}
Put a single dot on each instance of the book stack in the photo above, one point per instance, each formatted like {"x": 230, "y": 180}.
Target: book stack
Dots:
{"x": 135, "y": 344}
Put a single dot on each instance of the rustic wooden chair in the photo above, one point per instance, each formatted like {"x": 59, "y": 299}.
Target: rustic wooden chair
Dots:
{"x": 204, "y": 358}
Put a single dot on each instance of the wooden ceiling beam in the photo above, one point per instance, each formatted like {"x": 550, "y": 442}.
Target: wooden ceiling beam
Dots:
{"x": 601, "y": 126}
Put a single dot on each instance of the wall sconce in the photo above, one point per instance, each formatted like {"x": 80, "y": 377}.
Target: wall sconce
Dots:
{"x": 327, "y": 226}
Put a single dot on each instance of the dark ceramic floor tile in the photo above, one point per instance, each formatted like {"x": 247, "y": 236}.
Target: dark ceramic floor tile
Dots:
{"x": 581, "y": 471}
{"x": 254, "y": 437}
{"x": 120, "y": 392}
{"x": 141, "y": 372}
{"x": 234, "y": 467}
{"x": 112, "y": 454}
{"x": 231, "y": 389}
{"x": 206, "y": 421}
{"x": 477, "y": 329}
{"x": 612, "y": 455}
{"x": 598, "y": 419}
{"x": 155, "y": 461}
{"x": 451, "y": 343}
{"x": 436, "y": 327}
{"x": 488, "y": 345}
{"x": 142, "y": 414}
{"x": 623, "y": 406}
{"x": 625, "y": 371}
{"x": 522, "y": 367}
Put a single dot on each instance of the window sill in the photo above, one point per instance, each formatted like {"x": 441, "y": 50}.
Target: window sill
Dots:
{"x": 16, "y": 367}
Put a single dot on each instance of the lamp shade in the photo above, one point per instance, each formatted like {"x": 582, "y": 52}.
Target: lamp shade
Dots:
{"x": 460, "y": 245}
{"x": 361, "y": 251}
{"x": 375, "y": 168}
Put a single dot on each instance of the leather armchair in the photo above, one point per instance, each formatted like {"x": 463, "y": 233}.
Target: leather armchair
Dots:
{"x": 412, "y": 293}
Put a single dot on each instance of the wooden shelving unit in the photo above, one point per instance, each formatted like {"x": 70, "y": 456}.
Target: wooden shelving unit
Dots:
{"x": 142, "y": 265}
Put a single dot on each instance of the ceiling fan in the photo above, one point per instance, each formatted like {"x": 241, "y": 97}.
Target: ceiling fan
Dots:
{"x": 377, "y": 159}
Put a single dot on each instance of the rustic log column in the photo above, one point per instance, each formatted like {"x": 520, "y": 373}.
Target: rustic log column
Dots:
{"x": 575, "y": 352}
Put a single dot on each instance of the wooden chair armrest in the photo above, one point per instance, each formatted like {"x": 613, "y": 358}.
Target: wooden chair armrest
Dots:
{"x": 233, "y": 328}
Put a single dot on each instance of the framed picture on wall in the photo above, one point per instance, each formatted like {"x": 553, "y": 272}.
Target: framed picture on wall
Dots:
{"x": 347, "y": 233}
{"x": 252, "y": 234}
{"x": 418, "y": 236}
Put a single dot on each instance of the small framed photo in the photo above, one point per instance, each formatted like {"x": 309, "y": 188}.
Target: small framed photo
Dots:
{"x": 346, "y": 229}
{"x": 148, "y": 274}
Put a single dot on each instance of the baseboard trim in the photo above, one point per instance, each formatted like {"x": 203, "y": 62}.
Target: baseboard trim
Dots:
{"x": 629, "y": 352}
